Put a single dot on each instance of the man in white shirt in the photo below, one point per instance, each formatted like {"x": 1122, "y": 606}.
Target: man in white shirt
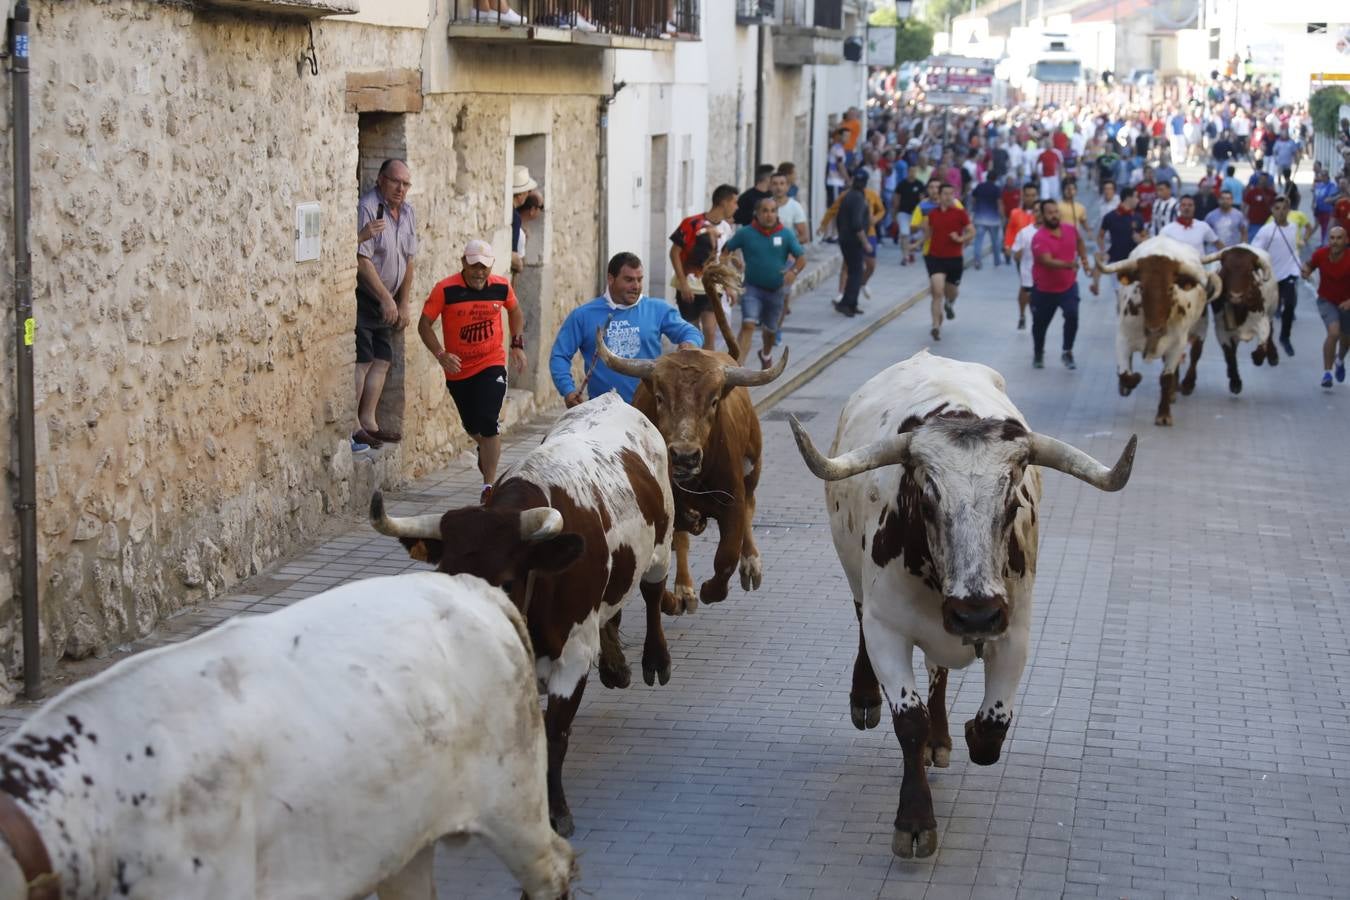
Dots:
{"x": 1279, "y": 238}
{"x": 790, "y": 212}
{"x": 1188, "y": 230}
{"x": 1021, "y": 250}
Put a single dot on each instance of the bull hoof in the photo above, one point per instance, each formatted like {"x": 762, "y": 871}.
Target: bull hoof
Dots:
{"x": 1129, "y": 381}
{"x": 563, "y": 824}
{"x": 682, "y": 600}
{"x": 712, "y": 592}
{"x": 936, "y": 756}
{"x": 984, "y": 740}
{"x": 908, "y": 844}
{"x": 1259, "y": 356}
{"x": 864, "y": 716}
{"x": 650, "y": 674}
{"x": 752, "y": 573}
{"x": 690, "y": 520}
{"x": 616, "y": 678}
{"x": 1274, "y": 358}
{"x": 1235, "y": 385}
{"x": 1188, "y": 386}
{"x": 1163, "y": 419}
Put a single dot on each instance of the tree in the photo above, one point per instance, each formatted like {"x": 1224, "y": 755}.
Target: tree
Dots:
{"x": 938, "y": 13}
{"x": 913, "y": 38}
{"x": 1325, "y": 108}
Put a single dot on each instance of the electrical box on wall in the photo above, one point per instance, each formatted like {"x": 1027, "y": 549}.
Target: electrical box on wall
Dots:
{"x": 307, "y": 243}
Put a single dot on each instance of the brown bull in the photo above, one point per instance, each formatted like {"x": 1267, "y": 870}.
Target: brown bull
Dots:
{"x": 699, "y": 401}
{"x": 1245, "y": 309}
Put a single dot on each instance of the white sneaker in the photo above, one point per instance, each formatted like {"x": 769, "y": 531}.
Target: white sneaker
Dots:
{"x": 580, "y": 23}
{"x": 511, "y": 17}
{"x": 671, "y": 28}
{"x": 867, "y": 293}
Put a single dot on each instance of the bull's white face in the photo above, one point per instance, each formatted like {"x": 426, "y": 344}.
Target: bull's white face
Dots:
{"x": 965, "y": 477}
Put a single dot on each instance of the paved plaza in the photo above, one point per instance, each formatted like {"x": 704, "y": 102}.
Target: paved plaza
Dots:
{"x": 1182, "y": 727}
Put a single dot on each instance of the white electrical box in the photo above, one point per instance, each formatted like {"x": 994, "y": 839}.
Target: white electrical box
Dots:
{"x": 307, "y": 244}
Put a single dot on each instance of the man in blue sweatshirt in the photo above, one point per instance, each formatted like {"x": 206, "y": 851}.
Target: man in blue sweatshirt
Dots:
{"x": 633, "y": 327}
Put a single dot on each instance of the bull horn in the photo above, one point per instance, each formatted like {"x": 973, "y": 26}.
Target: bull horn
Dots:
{"x": 1053, "y": 454}
{"x": 540, "y": 523}
{"x": 634, "y": 368}
{"x": 1122, "y": 266}
{"x": 427, "y": 527}
{"x": 875, "y": 455}
{"x": 739, "y": 376}
{"x": 1211, "y": 257}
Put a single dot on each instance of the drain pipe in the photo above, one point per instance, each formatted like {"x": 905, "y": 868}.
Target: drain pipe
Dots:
{"x": 26, "y": 506}
{"x": 602, "y": 180}
{"x": 759, "y": 103}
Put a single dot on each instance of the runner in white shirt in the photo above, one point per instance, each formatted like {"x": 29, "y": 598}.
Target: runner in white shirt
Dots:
{"x": 1188, "y": 230}
{"x": 1021, "y": 251}
{"x": 1279, "y": 238}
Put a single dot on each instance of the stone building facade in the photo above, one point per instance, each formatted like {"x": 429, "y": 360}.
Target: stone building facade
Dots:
{"x": 193, "y": 381}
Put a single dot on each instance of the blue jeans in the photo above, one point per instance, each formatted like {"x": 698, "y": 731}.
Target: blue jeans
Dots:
{"x": 763, "y": 306}
{"x": 1043, "y": 306}
{"x": 995, "y": 235}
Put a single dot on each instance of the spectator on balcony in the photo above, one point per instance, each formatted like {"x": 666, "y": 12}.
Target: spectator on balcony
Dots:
{"x": 496, "y": 12}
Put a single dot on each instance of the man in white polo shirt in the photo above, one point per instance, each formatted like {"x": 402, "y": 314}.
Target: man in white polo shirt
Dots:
{"x": 1279, "y": 238}
{"x": 1189, "y": 230}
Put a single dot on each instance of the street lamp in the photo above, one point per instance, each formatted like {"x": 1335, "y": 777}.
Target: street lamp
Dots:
{"x": 903, "y": 10}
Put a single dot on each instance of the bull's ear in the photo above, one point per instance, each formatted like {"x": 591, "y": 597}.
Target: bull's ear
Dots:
{"x": 423, "y": 549}
{"x": 555, "y": 554}
{"x": 1213, "y": 286}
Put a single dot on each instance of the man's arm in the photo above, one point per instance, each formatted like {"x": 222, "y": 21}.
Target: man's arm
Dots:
{"x": 830, "y": 213}
{"x": 803, "y": 233}
{"x": 370, "y": 280}
{"x": 565, "y": 346}
{"x": 680, "y": 332}
{"x": 515, "y": 320}
{"x": 681, "y": 281}
{"x": 404, "y": 290}
{"x": 426, "y": 330}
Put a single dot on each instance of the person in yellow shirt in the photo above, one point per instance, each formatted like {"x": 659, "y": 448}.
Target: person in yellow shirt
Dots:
{"x": 927, "y": 205}
{"x": 1304, "y": 226}
{"x": 876, "y": 211}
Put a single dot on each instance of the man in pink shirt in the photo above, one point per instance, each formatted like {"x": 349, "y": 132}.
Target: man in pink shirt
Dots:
{"x": 1054, "y": 281}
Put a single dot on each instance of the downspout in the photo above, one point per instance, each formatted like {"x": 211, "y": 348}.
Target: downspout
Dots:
{"x": 602, "y": 181}
{"x": 759, "y": 102}
{"x": 811, "y": 153}
{"x": 26, "y": 506}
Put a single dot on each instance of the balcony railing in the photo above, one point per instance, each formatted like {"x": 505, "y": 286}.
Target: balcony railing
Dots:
{"x": 812, "y": 13}
{"x": 829, "y": 14}
{"x": 643, "y": 19}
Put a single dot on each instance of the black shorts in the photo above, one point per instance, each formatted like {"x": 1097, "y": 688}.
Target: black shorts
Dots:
{"x": 373, "y": 342}
{"x": 695, "y": 308}
{"x": 479, "y": 400}
{"x": 951, "y": 266}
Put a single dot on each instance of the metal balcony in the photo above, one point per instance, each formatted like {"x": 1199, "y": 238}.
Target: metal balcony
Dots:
{"x": 810, "y": 33}
{"x": 755, "y": 12}
{"x": 599, "y": 24}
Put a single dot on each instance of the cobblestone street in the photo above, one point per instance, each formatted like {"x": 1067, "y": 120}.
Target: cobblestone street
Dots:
{"x": 1181, "y": 729}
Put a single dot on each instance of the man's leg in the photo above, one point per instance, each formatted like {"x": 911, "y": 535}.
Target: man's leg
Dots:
{"x": 1042, "y": 311}
{"x": 937, "y": 286}
{"x": 707, "y": 323}
{"x": 369, "y": 394}
{"x": 1288, "y": 300}
{"x": 1068, "y": 305}
{"x": 853, "y": 262}
{"x": 362, "y": 370}
{"x": 489, "y": 454}
{"x": 1023, "y": 300}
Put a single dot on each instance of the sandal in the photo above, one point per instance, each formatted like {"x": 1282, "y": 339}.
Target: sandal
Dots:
{"x": 765, "y": 362}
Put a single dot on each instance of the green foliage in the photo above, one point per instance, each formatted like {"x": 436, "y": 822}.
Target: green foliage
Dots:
{"x": 914, "y": 42}
{"x": 938, "y": 12}
{"x": 1325, "y": 107}
{"x": 883, "y": 16}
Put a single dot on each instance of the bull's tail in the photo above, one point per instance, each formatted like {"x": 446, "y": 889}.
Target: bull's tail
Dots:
{"x": 722, "y": 278}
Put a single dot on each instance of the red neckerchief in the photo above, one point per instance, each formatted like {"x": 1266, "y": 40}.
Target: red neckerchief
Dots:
{"x": 1185, "y": 223}
{"x": 1121, "y": 210}
{"x": 777, "y": 228}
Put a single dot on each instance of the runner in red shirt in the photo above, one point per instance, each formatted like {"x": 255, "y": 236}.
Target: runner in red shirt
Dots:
{"x": 1047, "y": 167}
{"x": 946, "y": 231}
{"x": 1054, "y": 281}
{"x": 1340, "y": 210}
{"x": 1060, "y": 140}
{"x": 1332, "y": 263}
{"x": 1258, "y": 201}
{"x": 1147, "y": 192}
{"x": 469, "y": 305}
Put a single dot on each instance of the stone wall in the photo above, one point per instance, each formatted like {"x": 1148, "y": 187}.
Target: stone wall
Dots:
{"x": 194, "y": 383}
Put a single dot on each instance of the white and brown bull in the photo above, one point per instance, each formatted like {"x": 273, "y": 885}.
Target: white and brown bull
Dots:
{"x": 568, "y": 532}
{"x": 1161, "y": 304}
{"x": 700, "y": 402}
{"x": 1245, "y": 308}
{"x": 933, "y": 494}
{"x": 318, "y": 751}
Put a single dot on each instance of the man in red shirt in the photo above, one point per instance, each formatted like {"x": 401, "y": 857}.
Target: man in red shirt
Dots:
{"x": 1054, "y": 282}
{"x": 1340, "y": 210}
{"x": 946, "y": 231}
{"x": 1147, "y": 192}
{"x": 1332, "y": 262}
{"x": 469, "y": 305}
{"x": 1256, "y": 202}
{"x": 1047, "y": 167}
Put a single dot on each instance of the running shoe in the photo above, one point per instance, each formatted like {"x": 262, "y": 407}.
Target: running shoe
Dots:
{"x": 948, "y": 309}
{"x": 1067, "y": 358}
{"x": 936, "y": 334}
{"x": 1037, "y": 362}
{"x": 483, "y": 497}
{"x": 1340, "y": 370}
{"x": 1021, "y": 323}
{"x": 1326, "y": 380}
{"x": 1288, "y": 347}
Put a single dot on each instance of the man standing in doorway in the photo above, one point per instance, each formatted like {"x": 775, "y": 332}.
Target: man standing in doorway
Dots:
{"x": 766, "y": 246}
{"x": 521, "y": 186}
{"x": 387, "y": 243}
{"x": 1054, "y": 282}
{"x": 695, "y": 242}
{"x": 469, "y": 305}
{"x": 946, "y": 232}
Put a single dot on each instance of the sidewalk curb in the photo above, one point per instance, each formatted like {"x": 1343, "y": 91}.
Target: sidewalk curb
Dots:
{"x": 825, "y": 360}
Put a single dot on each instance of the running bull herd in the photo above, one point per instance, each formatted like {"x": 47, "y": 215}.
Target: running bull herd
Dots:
{"x": 322, "y": 751}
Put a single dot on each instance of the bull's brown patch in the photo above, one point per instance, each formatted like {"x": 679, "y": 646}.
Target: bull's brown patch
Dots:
{"x": 622, "y": 569}
{"x": 903, "y": 535}
{"x": 650, "y": 498}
